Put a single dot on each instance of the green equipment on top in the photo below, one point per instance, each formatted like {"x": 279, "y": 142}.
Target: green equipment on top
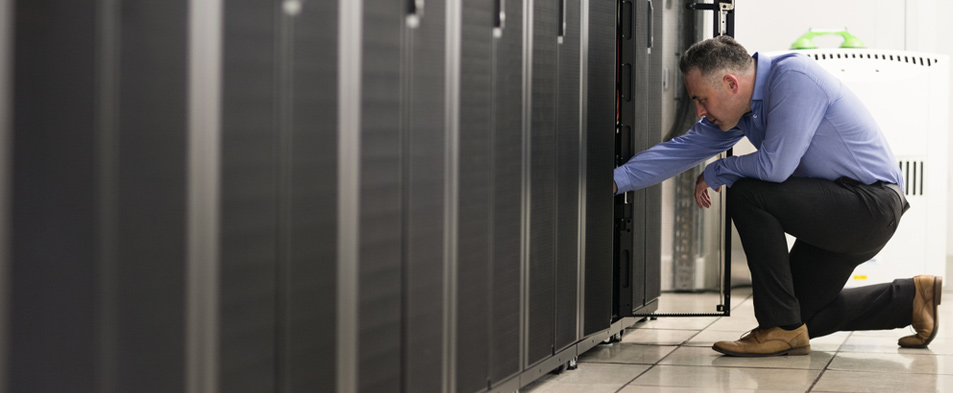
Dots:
{"x": 806, "y": 41}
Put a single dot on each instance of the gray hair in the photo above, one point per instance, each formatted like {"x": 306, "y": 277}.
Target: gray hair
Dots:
{"x": 716, "y": 54}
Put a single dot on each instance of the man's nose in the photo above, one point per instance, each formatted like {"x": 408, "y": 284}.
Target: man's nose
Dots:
{"x": 700, "y": 111}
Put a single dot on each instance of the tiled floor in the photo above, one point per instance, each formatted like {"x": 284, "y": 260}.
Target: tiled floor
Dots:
{"x": 675, "y": 355}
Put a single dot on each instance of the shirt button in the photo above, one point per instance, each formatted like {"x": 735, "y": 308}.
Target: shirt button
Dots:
{"x": 755, "y": 115}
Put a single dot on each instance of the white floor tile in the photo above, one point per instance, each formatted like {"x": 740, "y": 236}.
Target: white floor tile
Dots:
{"x": 699, "y": 356}
{"x": 695, "y": 389}
{"x": 658, "y": 336}
{"x": 830, "y": 343}
{"x": 626, "y": 353}
{"x": 727, "y": 378}
{"x": 674, "y": 355}
{"x": 589, "y": 377}
{"x": 853, "y": 381}
{"x": 681, "y": 323}
{"x": 893, "y": 363}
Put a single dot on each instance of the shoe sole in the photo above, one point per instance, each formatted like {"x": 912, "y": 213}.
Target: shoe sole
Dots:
{"x": 937, "y": 293}
{"x": 792, "y": 352}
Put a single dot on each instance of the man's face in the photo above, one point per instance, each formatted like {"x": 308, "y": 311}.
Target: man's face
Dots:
{"x": 717, "y": 102}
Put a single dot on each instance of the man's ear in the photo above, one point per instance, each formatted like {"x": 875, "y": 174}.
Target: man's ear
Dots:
{"x": 731, "y": 82}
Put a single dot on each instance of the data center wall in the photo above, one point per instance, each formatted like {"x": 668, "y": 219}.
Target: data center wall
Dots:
{"x": 373, "y": 196}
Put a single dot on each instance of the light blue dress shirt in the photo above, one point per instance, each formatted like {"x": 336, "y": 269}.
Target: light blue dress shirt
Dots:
{"x": 804, "y": 123}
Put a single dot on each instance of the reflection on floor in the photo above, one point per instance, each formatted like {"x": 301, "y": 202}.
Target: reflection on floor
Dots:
{"x": 675, "y": 355}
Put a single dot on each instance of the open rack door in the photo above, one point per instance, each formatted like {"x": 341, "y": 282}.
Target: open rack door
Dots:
{"x": 639, "y": 289}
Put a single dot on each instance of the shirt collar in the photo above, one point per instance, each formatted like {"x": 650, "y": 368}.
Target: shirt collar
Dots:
{"x": 761, "y": 76}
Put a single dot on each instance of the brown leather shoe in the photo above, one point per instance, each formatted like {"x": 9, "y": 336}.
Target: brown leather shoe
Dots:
{"x": 768, "y": 342}
{"x": 925, "y": 319}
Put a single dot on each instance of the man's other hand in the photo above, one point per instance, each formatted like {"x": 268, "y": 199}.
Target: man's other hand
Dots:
{"x": 701, "y": 192}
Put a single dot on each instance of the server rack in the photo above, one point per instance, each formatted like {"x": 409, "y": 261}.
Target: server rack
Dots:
{"x": 507, "y": 75}
{"x": 406, "y": 196}
{"x": 422, "y": 264}
{"x": 637, "y": 253}
{"x": 95, "y": 275}
{"x": 249, "y": 198}
{"x": 599, "y": 151}
{"x": 476, "y": 202}
{"x": 278, "y": 205}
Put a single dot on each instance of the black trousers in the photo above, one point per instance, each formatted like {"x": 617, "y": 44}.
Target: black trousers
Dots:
{"x": 838, "y": 225}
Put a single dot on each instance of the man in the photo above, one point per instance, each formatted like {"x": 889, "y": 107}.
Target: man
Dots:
{"x": 823, "y": 173}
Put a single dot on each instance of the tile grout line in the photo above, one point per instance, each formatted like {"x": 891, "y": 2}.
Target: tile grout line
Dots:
{"x": 821, "y": 374}
{"x": 682, "y": 344}
{"x": 677, "y": 347}
{"x": 824, "y": 370}
{"x": 735, "y": 367}
{"x": 841, "y": 348}
{"x": 647, "y": 370}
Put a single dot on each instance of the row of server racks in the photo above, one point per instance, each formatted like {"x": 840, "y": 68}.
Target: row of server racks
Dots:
{"x": 320, "y": 196}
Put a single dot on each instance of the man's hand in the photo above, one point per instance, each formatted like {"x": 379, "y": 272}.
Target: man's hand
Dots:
{"x": 701, "y": 192}
{"x": 615, "y": 188}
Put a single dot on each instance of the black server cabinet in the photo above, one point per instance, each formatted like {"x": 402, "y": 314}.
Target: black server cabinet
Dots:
{"x": 499, "y": 201}
{"x": 97, "y": 200}
{"x": 637, "y": 250}
{"x": 423, "y": 181}
{"x": 542, "y": 181}
{"x": 626, "y": 131}
{"x": 53, "y": 202}
{"x": 308, "y": 199}
{"x": 380, "y": 293}
{"x": 600, "y": 115}
{"x": 249, "y": 197}
{"x": 311, "y": 212}
{"x": 475, "y": 225}
{"x": 505, "y": 287}
{"x": 567, "y": 173}
{"x": 278, "y": 197}
{"x": 147, "y": 170}
{"x": 654, "y": 135}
